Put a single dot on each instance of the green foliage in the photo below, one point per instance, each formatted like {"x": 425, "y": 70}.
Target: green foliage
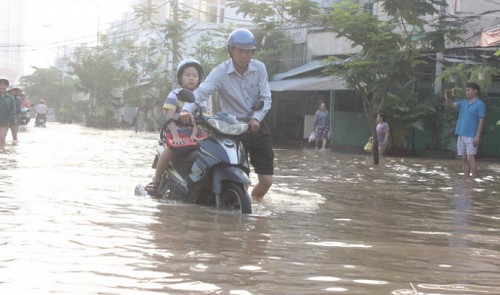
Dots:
{"x": 482, "y": 74}
{"x": 43, "y": 83}
{"x": 99, "y": 72}
{"x": 271, "y": 46}
{"x": 106, "y": 120}
{"x": 52, "y": 85}
{"x": 146, "y": 12}
{"x": 301, "y": 10}
{"x": 210, "y": 49}
{"x": 384, "y": 60}
{"x": 389, "y": 49}
{"x": 457, "y": 76}
{"x": 441, "y": 124}
{"x": 261, "y": 12}
{"x": 127, "y": 66}
{"x": 406, "y": 110}
{"x": 424, "y": 23}
{"x": 412, "y": 11}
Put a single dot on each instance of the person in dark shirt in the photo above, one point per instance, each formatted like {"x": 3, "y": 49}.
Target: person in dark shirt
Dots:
{"x": 7, "y": 110}
{"x": 15, "y": 92}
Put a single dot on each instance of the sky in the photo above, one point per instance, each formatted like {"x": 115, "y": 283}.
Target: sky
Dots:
{"x": 51, "y": 24}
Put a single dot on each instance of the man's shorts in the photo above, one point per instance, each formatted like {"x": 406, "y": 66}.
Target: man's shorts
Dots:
{"x": 260, "y": 151}
{"x": 465, "y": 146}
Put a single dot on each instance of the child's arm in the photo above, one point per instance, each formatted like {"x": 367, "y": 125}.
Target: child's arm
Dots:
{"x": 194, "y": 134}
{"x": 172, "y": 127}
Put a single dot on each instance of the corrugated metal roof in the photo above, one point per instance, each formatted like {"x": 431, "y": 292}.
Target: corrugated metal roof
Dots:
{"x": 310, "y": 66}
{"x": 308, "y": 77}
{"x": 311, "y": 83}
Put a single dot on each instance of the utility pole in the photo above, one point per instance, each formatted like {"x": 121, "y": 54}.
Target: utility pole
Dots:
{"x": 438, "y": 83}
{"x": 175, "y": 43}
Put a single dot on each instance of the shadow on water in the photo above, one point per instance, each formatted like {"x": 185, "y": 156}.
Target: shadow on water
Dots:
{"x": 332, "y": 223}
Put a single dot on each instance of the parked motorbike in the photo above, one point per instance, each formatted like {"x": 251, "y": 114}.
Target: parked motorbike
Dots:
{"x": 214, "y": 172}
{"x": 40, "y": 120}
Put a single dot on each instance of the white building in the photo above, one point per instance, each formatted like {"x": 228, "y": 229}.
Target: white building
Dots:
{"x": 11, "y": 39}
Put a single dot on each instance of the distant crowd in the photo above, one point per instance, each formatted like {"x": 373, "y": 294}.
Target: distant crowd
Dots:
{"x": 14, "y": 111}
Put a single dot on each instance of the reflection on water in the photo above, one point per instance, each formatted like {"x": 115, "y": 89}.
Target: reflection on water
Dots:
{"x": 333, "y": 223}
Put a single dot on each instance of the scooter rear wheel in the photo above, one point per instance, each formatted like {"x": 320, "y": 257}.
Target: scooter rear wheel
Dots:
{"x": 234, "y": 198}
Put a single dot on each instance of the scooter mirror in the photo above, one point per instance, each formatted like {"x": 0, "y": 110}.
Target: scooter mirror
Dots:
{"x": 185, "y": 95}
{"x": 258, "y": 105}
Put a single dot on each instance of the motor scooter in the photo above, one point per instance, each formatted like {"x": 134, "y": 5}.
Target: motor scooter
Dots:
{"x": 40, "y": 120}
{"x": 24, "y": 117}
{"x": 214, "y": 171}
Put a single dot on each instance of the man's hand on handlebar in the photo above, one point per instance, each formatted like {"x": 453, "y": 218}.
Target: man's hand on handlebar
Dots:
{"x": 254, "y": 125}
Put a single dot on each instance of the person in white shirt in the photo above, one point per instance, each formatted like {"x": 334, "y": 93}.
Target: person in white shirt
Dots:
{"x": 241, "y": 82}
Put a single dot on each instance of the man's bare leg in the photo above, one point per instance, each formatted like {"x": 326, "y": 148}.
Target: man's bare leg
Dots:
{"x": 3, "y": 135}
{"x": 471, "y": 161}
{"x": 465, "y": 166}
{"x": 14, "y": 129}
{"x": 263, "y": 184}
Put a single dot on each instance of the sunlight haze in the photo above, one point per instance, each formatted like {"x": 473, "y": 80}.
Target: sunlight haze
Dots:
{"x": 53, "y": 24}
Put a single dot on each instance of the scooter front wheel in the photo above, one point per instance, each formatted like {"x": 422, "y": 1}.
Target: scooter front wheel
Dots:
{"x": 234, "y": 197}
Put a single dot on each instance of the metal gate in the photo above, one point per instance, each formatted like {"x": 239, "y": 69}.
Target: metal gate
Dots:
{"x": 490, "y": 140}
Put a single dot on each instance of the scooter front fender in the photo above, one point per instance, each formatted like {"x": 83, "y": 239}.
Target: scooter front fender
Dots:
{"x": 228, "y": 173}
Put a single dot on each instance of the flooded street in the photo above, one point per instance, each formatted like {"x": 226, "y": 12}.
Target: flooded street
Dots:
{"x": 332, "y": 224}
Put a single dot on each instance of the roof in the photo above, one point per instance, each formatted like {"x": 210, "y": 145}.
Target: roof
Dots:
{"x": 308, "y": 67}
{"x": 308, "y": 77}
{"x": 310, "y": 83}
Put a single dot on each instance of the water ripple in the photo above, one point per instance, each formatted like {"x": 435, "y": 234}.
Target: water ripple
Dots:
{"x": 332, "y": 223}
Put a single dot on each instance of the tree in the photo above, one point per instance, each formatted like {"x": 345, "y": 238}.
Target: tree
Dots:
{"x": 272, "y": 40}
{"x": 143, "y": 79}
{"x": 170, "y": 31}
{"x": 52, "y": 86}
{"x": 211, "y": 50}
{"x": 389, "y": 48}
{"x": 101, "y": 70}
{"x": 97, "y": 71}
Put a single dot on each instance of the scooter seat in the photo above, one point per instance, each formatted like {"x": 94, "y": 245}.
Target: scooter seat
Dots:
{"x": 187, "y": 145}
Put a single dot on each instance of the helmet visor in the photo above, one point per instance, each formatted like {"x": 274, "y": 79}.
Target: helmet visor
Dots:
{"x": 244, "y": 46}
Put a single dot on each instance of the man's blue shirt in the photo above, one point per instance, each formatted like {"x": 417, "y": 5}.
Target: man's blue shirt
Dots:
{"x": 468, "y": 117}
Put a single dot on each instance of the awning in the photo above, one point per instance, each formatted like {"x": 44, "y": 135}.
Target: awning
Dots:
{"x": 489, "y": 38}
{"x": 311, "y": 66}
{"x": 311, "y": 83}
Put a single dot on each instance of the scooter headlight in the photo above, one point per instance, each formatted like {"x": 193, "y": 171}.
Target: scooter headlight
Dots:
{"x": 226, "y": 128}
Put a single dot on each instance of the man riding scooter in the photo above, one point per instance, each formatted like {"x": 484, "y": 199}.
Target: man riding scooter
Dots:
{"x": 41, "y": 110}
{"x": 241, "y": 81}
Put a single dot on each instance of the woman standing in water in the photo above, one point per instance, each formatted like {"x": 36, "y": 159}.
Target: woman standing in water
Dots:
{"x": 321, "y": 126}
{"x": 382, "y": 134}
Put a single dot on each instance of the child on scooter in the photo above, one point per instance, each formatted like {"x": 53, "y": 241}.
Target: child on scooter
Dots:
{"x": 189, "y": 76}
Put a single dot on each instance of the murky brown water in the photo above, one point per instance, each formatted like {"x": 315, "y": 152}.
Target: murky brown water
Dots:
{"x": 332, "y": 224}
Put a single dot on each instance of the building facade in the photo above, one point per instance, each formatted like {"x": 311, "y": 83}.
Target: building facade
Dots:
{"x": 301, "y": 88}
{"x": 11, "y": 39}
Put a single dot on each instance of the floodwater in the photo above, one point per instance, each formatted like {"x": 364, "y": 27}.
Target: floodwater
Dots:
{"x": 332, "y": 224}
